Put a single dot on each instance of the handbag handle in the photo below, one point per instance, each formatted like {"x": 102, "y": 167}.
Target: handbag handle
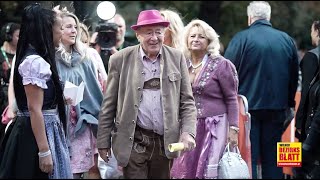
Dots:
{"x": 227, "y": 150}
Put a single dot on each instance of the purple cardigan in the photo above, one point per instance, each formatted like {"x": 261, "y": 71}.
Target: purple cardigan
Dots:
{"x": 216, "y": 89}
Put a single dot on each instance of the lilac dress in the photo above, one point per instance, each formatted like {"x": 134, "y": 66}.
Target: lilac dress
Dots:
{"x": 215, "y": 92}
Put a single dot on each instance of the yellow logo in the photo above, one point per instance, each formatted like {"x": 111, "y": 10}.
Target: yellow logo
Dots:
{"x": 289, "y": 154}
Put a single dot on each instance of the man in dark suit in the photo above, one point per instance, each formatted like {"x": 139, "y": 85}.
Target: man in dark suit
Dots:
{"x": 267, "y": 63}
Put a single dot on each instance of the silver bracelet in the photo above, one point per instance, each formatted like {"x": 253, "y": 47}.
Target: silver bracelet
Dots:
{"x": 44, "y": 154}
{"x": 234, "y": 128}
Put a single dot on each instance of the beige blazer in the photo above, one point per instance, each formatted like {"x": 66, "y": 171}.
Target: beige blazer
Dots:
{"x": 119, "y": 109}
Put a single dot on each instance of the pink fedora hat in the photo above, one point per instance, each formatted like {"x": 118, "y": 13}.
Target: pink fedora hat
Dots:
{"x": 150, "y": 17}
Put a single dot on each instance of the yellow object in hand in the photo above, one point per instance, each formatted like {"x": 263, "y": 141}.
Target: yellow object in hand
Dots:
{"x": 173, "y": 147}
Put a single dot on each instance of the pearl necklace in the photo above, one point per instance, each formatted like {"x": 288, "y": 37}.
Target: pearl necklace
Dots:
{"x": 195, "y": 67}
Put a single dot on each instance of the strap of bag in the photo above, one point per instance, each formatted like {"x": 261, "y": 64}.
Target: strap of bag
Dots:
{"x": 227, "y": 149}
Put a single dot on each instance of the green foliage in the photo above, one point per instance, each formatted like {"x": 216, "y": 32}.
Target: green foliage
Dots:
{"x": 230, "y": 17}
{"x": 233, "y": 18}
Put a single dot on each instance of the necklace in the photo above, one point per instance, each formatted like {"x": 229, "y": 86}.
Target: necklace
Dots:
{"x": 195, "y": 67}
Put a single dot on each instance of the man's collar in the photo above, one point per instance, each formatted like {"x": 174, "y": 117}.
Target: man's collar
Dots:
{"x": 261, "y": 22}
{"x": 143, "y": 54}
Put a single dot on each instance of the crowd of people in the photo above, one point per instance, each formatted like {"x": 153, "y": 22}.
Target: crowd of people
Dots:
{"x": 176, "y": 85}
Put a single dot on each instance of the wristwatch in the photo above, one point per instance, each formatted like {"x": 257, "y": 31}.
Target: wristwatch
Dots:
{"x": 192, "y": 135}
{"x": 234, "y": 128}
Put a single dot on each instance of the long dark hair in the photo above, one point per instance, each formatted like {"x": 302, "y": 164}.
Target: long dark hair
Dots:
{"x": 37, "y": 31}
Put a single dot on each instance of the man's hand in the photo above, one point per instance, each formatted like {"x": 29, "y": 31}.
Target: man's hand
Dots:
{"x": 105, "y": 154}
{"x": 188, "y": 141}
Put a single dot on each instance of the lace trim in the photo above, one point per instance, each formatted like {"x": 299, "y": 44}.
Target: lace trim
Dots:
{"x": 35, "y": 81}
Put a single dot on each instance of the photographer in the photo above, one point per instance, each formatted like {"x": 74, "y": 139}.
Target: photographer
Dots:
{"x": 112, "y": 40}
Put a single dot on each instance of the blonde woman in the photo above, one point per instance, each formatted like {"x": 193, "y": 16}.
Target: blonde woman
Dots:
{"x": 214, "y": 84}
{"x": 173, "y": 34}
{"x": 74, "y": 65}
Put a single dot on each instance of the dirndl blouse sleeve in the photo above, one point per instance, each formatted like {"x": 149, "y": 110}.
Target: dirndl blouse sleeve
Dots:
{"x": 35, "y": 70}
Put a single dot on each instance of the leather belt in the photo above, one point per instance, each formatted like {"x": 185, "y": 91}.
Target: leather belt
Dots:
{"x": 153, "y": 83}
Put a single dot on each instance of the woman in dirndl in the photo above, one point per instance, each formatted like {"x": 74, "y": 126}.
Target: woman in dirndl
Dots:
{"x": 214, "y": 84}
{"x": 35, "y": 144}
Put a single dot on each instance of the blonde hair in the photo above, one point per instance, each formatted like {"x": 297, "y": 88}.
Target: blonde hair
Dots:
{"x": 84, "y": 33}
{"x": 176, "y": 27}
{"x": 78, "y": 45}
{"x": 213, "y": 38}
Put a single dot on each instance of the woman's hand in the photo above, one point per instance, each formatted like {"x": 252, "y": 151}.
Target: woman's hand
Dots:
{"x": 233, "y": 137}
{"x": 11, "y": 113}
{"x": 46, "y": 164}
{"x": 68, "y": 101}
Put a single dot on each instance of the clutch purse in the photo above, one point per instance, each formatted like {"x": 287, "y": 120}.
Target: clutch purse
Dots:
{"x": 232, "y": 166}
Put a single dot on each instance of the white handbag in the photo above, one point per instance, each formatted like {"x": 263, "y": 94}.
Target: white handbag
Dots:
{"x": 232, "y": 166}
{"x": 110, "y": 169}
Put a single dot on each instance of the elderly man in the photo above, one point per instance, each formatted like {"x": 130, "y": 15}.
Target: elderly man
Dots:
{"x": 267, "y": 63}
{"x": 148, "y": 104}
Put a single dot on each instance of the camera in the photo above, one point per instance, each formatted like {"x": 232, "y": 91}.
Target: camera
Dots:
{"x": 107, "y": 34}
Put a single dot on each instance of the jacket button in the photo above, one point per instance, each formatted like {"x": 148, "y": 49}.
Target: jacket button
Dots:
{"x": 133, "y": 121}
{"x": 130, "y": 138}
{"x": 139, "y": 88}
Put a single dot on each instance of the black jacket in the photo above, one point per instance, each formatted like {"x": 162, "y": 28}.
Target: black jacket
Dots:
{"x": 309, "y": 66}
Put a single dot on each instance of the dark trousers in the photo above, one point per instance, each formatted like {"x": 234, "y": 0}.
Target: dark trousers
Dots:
{"x": 266, "y": 131}
{"x": 148, "y": 159}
